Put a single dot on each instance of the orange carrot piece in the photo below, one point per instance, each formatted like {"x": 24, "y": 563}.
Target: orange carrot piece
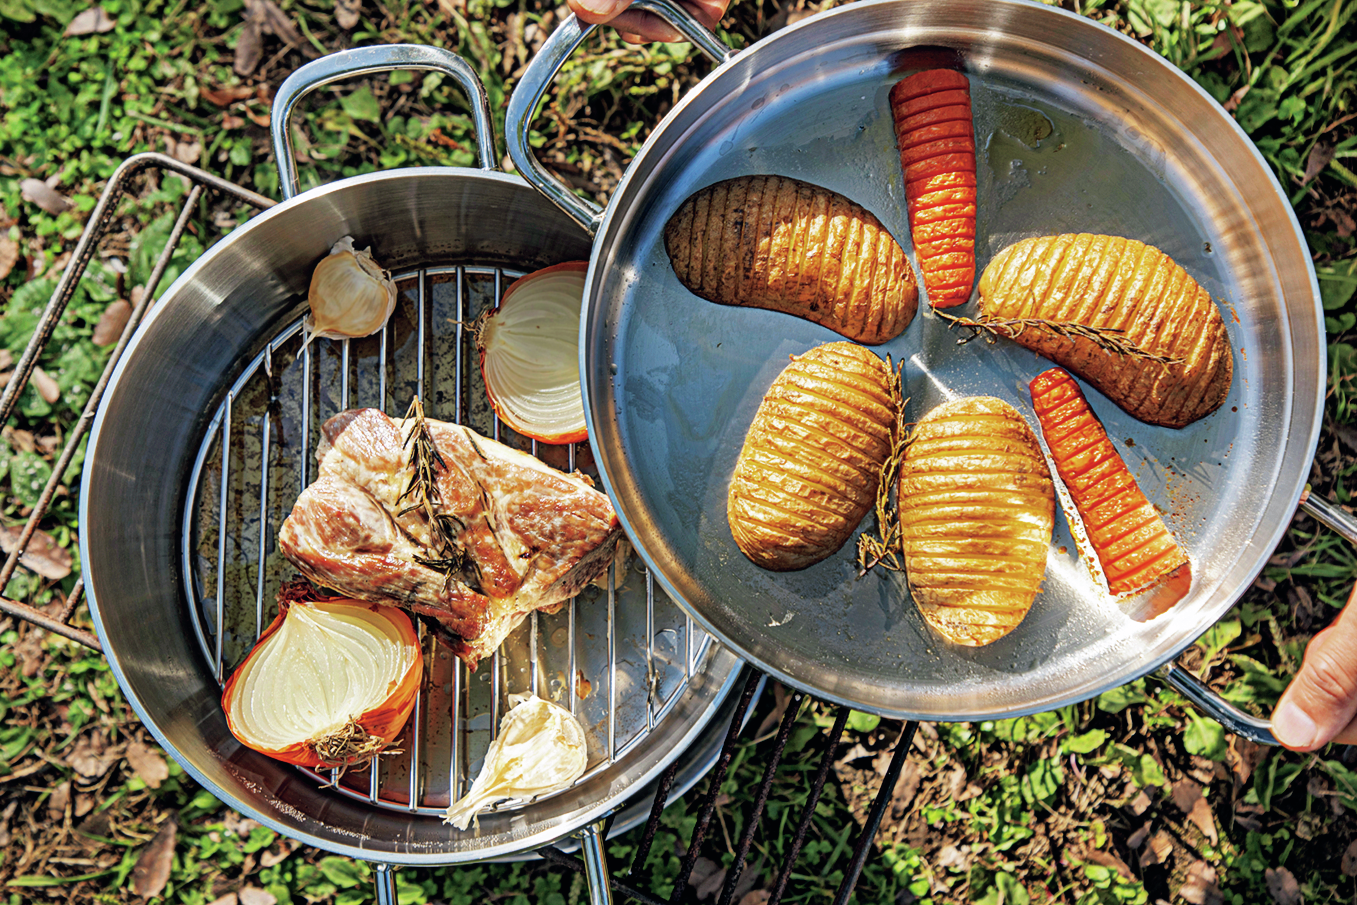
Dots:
{"x": 935, "y": 135}
{"x": 1131, "y": 541}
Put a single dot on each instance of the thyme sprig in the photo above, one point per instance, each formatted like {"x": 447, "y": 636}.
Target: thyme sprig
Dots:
{"x": 1110, "y": 339}
{"x": 883, "y": 547}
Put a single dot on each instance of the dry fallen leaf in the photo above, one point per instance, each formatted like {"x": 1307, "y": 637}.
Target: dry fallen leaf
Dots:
{"x": 111, "y": 323}
{"x": 1200, "y": 886}
{"x": 249, "y": 48}
{"x": 706, "y": 878}
{"x": 47, "y": 387}
{"x": 1317, "y": 160}
{"x": 57, "y": 801}
{"x": 84, "y": 804}
{"x": 1137, "y": 838}
{"x": 756, "y": 897}
{"x": 347, "y": 13}
{"x": 1185, "y": 793}
{"x": 1283, "y": 886}
{"x": 906, "y": 787}
{"x": 44, "y": 196}
{"x": 1108, "y": 860}
{"x": 147, "y": 763}
{"x": 1247, "y": 757}
{"x": 1158, "y": 851}
{"x": 92, "y": 21}
{"x": 91, "y": 757}
{"x": 9, "y": 256}
{"x": 953, "y": 857}
{"x": 228, "y": 899}
{"x": 42, "y": 556}
{"x": 1349, "y": 864}
{"x": 1140, "y": 804}
{"x": 153, "y": 865}
{"x": 253, "y": 895}
{"x": 225, "y": 96}
{"x": 1203, "y": 819}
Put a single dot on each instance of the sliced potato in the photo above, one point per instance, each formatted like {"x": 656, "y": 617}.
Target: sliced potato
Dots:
{"x": 1109, "y": 282}
{"x": 812, "y": 459}
{"x": 977, "y": 508}
{"x": 786, "y": 245}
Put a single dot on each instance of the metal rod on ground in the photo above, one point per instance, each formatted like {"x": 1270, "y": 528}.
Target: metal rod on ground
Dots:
{"x": 808, "y": 812}
{"x": 784, "y": 731}
{"x": 561, "y": 859}
{"x": 653, "y": 823}
{"x": 883, "y": 797}
{"x": 718, "y": 774}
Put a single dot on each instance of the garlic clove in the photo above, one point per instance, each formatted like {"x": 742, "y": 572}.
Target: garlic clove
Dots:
{"x": 350, "y": 295}
{"x": 540, "y": 749}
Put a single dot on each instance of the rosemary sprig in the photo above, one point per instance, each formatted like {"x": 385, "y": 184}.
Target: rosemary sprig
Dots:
{"x": 424, "y": 460}
{"x": 1109, "y": 339}
{"x": 882, "y": 548}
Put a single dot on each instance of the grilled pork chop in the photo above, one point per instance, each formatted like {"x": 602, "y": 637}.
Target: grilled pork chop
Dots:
{"x": 513, "y": 534}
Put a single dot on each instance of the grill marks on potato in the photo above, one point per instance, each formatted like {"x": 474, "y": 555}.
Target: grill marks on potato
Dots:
{"x": 786, "y": 245}
{"x": 812, "y": 459}
{"x": 977, "y": 508}
{"x": 1122, "y": 284}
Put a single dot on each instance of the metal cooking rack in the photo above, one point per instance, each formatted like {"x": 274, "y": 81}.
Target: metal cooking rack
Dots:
{"x": 200, "y": 181}
{"x": 269, "y": 425}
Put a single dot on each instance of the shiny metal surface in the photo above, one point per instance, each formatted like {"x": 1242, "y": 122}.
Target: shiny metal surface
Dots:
{"x": 231, "y": 308}
{"x": 1078, "y": 129}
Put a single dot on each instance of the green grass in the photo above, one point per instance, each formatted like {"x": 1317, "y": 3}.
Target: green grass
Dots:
{"x": 1033, "y": 810}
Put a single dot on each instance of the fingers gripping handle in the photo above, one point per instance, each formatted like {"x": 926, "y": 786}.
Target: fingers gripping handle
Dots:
{"x": 366, "y": 61}
{"x": 543, "y": 69}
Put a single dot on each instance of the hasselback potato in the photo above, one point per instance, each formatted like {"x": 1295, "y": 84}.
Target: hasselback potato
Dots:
{"x": 977, "y": 508}
{"x": 786, "y": 245}
{"x": 812, "y": 459}
{"x": 1107, "y": 282}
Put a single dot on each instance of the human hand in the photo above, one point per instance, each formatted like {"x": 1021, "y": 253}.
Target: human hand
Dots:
{"x": 1319, "y": 705}
{"x": 639, "y": 27}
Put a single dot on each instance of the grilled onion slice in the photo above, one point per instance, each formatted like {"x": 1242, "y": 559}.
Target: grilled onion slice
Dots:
{"x": 977, "y": 508}
{"x": 329, "y": 684}
{"x": 529, "y": 352}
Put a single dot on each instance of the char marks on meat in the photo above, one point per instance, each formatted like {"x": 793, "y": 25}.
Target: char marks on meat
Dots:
{"x": 527, "y": 537}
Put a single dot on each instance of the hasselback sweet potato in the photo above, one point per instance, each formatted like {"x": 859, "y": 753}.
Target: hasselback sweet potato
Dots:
{"x": 1133, "y": 546}
{"x": 935, "y": 135}
{"x": 786, "y": 245}
{"x": 812, "y": 459}
{"x": 977, "y": 508}
{"x": 1111, "y": 283}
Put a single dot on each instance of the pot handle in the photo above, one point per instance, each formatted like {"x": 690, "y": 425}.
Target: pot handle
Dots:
{"x": 365, "y": 61}
{"x": 567, "y": 37}
{"x": 1329, "y": 515}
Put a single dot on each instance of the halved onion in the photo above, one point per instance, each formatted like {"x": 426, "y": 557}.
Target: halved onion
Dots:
{"x": 330, "y": 683}
{"x": 529, "y": 351}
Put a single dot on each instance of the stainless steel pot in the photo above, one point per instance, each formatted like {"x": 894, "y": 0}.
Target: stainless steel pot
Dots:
{"x": 1079, "y": 129}
{"x": 205, "y": 437}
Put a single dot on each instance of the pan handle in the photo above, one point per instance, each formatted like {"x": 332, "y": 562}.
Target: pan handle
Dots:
{"x": 365, "y": 61}
{"x": 1244, "y": 725}
{"x": 543, "y": 69}
{"x": 1329, "y": 515}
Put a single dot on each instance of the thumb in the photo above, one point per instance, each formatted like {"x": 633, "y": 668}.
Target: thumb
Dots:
{"x": 597, "y": 12}
{"x": 1322, "y": 700}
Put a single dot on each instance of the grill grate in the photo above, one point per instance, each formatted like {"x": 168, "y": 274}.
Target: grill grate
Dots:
{"x": 258, "y": 455}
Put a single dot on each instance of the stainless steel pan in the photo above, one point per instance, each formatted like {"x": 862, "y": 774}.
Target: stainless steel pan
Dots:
{"x": 1078, "y": 129}
{"x": 206, "y": 435}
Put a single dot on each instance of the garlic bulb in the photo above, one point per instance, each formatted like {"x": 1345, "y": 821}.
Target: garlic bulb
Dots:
{"x": 540, "y": 749}
{"x": 351, "y": 295}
